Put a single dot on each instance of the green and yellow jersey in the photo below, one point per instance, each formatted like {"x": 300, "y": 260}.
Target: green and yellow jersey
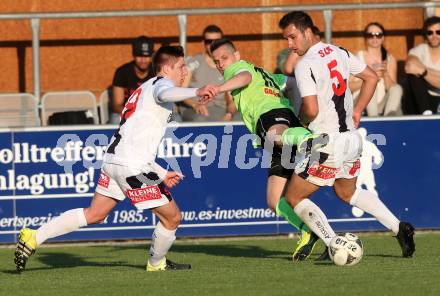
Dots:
{"x": 263, "y": 94}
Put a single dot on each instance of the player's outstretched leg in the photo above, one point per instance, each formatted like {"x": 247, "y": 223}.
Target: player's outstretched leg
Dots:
{"x": 26, "y": 246}
{"x": 162, "y": 241}
{"x": 304, "y": 139}
{"x": 405, "y": 237}
{"x": 307, "y": 240}
{"x": 163, "y": 238}
{"x": 370, "y": 203}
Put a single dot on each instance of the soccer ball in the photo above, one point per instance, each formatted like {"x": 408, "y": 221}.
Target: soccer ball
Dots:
{"x": 346, "y": 249}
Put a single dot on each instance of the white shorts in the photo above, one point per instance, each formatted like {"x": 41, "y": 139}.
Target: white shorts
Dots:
{"x": 340, "y": 159}
{"x": 144, "y": 189}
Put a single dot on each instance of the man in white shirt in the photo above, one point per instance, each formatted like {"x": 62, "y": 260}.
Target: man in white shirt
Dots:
{"x": 422, "y": 88}
{"x": 327, "y": 107}
{"x": 129, "y": 167}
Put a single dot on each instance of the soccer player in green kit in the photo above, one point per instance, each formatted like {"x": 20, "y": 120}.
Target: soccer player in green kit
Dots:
{"x": 269, "y": 114}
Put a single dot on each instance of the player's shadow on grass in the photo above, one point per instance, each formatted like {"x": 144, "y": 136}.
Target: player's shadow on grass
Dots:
{"x": 68, "y": 260}
{"x": 244, "y": 251}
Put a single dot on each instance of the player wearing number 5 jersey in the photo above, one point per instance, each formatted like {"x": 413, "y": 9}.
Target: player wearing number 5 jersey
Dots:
{"x": 129, "y": 168}
{"x": 267, "y": 112}
{"x": 327, "y": 107}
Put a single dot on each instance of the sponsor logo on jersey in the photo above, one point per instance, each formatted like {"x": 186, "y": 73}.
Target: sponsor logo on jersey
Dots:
{"x": 143, "y": 194}
{"x": 270, "y": 91}
{"x": 104, "y": 180}
{"x": 322, "y": 171}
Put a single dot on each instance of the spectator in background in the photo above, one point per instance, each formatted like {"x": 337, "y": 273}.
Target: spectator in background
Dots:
{"x": 388, "y": 95}
{"x": 422, "y": 88}
{"x": 130, "y": 76}
{"x": 202, "y": 71}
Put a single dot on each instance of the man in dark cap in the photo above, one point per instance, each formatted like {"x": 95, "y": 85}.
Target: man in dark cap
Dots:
{"x": 130, "y": 76}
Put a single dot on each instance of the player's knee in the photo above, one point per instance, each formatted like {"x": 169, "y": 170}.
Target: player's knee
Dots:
{"x": 94, "y": 217}
{"x": 176, "y": 220}
{"x": 173, "y": 221}
{"x": 344, "y": 194}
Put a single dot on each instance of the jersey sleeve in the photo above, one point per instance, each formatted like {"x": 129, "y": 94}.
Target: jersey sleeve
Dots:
{"x": 305, "y": 79}
{"x": 236, "y": 68}
{"x": 165, "y": 91}
{"x": 356, "y": 65}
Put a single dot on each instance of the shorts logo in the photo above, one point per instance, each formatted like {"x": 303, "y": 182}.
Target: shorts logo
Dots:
{"x": 322, "y": 171}
{"x": 355, "y": 167}
{"x": 104, "y": 180}
{"x": 281, "y": 119}
{"x": 143, "y": 194}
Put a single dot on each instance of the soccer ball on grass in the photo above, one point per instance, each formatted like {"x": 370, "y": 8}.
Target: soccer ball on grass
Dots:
{"x": 346, "y": 249}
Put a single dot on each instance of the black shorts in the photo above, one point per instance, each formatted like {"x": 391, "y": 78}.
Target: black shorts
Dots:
{"x": 264, "y": 123}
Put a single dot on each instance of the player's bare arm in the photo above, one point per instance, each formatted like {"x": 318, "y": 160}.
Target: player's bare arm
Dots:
{"x": 370, "y": 79}
{"x": 240, "y": 80}
{"x": 309, "y": 109}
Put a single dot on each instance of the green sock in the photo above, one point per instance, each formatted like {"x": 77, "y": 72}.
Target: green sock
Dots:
{"x": 294, "y": 135}
{"x": 285, "y": 210}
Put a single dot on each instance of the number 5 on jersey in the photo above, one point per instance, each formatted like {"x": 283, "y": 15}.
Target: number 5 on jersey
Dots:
{"x": 340, "y": 88}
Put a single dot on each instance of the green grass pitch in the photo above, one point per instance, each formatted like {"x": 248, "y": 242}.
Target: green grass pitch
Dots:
{"x": 257, "y": 266}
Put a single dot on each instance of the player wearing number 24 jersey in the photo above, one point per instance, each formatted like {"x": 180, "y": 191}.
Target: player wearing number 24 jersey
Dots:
{"x": 327, "y": 107}
{"x": 129, "y": 168}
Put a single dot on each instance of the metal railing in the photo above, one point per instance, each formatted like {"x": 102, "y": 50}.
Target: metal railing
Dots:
{"x": 182, "y": 14}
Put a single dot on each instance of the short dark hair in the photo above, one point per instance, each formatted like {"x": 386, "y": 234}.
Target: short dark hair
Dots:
{"x": 316, "y": 31}
{"x": 220, "y": 42}
{"x": 299, "y": 19}
{"x": 165, "y": 55}
{"x": 212, "y": 29}
{"x": 430, "y": 21}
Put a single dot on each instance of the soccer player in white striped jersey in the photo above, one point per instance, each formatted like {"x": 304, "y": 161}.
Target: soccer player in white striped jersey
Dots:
{"x": 327, "y": 107}
{"x": 129, "y": 167}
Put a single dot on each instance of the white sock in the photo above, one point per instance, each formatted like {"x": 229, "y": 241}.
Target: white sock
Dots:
{"x": 312, "y": 215}
{"x": 67, "y": 222}
{"x": 370, "y": 203}
{"x": 162, "y": 240}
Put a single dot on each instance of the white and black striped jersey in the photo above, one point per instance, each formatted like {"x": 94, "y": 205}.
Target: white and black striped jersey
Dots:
{"x": 324, "y": 71}
{"x": 143, "y": 124}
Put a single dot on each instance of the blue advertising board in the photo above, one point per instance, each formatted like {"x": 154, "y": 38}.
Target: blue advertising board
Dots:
{"x": 46, "y": 171}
